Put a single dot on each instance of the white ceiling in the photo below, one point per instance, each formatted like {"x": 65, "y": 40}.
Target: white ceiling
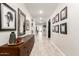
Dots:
{"x": 47, "y": 8}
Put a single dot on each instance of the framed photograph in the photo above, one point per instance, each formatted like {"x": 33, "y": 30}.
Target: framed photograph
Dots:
{"x": 53, "y": 20}
{"x": 27, "y": 25}
{"x": 56, "y": 18}
{"x": 44, "y": 26}
{"x": 63, "y": 28}
{"x": 32, "y": 24}
{"x": 53, "y": 29}
{"x": 21, "y": 23}
{"x": 7, "y": 18}
{"x": 57, "y": 28}
{"x": 63, "y": 14}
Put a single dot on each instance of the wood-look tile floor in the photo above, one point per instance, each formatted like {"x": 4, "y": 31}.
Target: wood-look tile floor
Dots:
{"x": 42, "y": 46}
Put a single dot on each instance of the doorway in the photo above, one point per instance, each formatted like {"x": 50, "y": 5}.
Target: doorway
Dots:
{"x": 49, "y": 29}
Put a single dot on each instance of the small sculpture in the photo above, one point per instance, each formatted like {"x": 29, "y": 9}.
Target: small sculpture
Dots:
{"x": 12, "y": 39}
{"x": 18, "y": 40}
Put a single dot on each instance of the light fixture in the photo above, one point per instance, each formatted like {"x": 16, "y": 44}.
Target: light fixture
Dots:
{"x": 40, "y": 18}
{"x": 41, "y": 12}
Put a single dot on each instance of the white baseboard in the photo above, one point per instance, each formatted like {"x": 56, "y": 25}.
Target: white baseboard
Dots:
{"x": 59, "y": 50}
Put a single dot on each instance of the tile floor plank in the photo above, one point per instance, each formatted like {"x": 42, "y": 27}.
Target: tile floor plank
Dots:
{"x": 42, "y": 46}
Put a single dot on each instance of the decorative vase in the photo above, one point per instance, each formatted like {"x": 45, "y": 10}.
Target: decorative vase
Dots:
{"x": 12, "y": 39}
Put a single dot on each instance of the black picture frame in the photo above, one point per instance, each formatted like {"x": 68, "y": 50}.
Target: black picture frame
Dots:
{"x": 7, "y": 18}
{"x": 56, "y": 18}
{"x": 63, "y": 28}
{"x": 63, "y": 14}
{"x": 44, "y": 26}
{"x": 27, "y": 25}
{"x": 32, "y": 24}
{"x": 57, "y": 28}
{"x": 21, "y": 23}
{"x": 53, "y": 20}
{"x": 53, "y": 28}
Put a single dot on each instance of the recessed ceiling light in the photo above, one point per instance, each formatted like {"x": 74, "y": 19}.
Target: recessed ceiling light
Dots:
{"x": 41, "y": 12}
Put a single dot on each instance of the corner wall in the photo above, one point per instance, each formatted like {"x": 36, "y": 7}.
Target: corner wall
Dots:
{"x": 4, "y": 36}
{"x": 68, "y": 44}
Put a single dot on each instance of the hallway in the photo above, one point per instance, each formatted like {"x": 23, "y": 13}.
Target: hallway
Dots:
{"x": 43, "y": 46}
{"x": 59, "y": 21}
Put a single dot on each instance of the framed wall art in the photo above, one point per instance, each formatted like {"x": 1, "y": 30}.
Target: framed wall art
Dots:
{"x": 44, "y": 26}
{"x": 53, "y": 29}
{"x": 7, "y": 18}
{"x": 63, "y": 14}
{"x": 57, "y": 28}
{"x": 63, "y": 28}
{"x": 53, "y": 20}
{"x": 56, "y": 18}
{"x": 27, "y": 25}
{"x": 32, "y": 24}
{"x": 21, "y": 23}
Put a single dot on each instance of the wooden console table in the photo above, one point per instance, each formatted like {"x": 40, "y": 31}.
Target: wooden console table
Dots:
{"x": 23, "y": 49}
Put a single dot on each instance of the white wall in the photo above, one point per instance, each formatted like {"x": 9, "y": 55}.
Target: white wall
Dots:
{"x": 4, "y": 36}
{"x": 68, "y": 44}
